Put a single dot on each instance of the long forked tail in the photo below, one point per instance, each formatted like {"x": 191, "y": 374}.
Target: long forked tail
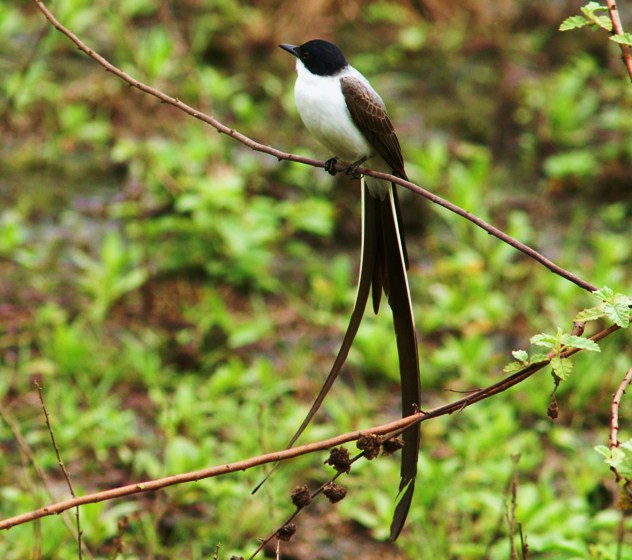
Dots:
{"x": 383, "y": 267}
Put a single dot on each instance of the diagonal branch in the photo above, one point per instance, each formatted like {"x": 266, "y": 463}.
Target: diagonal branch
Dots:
{"x": 280, "y": 155}
{"x": 390, "y": 428}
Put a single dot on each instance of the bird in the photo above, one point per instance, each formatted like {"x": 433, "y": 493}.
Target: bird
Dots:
{"x": 346, "y": 115}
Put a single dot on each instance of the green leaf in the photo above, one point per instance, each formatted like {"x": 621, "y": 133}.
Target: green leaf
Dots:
{"x": 544, "y": 339}
{"x": 603, "y": 21}
{"x": 622, "y": 38}
{"x": 561, "y": 367}
{"x": 513, "y": 367}
{"x": 592, "y": 7}
{"x": 614, "y": 306}
{"x": 539, "y": 358}
{"x": 603, "y": 450}
{"x": 604, "y": 294}
{"x": 590, "y": 11}
{"x": 618, "y": 311}
{"x": 579, "y": 162}
{"x": 620, "y": 458}
{"x": 573, "y": 22}
{"x": 581, "y": 342}
{"x": 590, "y": 17}
{"x": 129, "y": 282}
{"x": 520, "y": 355}
{"x": 590, "y": 314}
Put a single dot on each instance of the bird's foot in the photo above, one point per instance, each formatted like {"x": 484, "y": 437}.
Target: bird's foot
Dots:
{"x": 352, "y": 169}
{"x": 330, "y": 166}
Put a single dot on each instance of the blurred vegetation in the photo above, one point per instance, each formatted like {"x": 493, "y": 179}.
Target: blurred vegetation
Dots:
{"x": 180, "y": 297}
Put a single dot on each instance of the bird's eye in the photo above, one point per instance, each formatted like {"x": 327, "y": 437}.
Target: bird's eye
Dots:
{"x": 306, "y": 56}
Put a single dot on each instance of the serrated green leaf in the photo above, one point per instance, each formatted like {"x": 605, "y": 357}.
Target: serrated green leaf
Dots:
{"x": 604, "y": 294}
{"x": 539, "y": 358}
{"x": 618, "y": 312}
{"x": 592, "y": 7}
{"x": 520, "y": 355}
{"x": 513, "y": 367}
{"x": 561, "y": 367}
{"x": 590, "y": 11}
{"x": 590, "y": 314}
{"x": 602, "y": 21}
{"x": 622, "y": 38}
{"x": 616, "y": 456}
{"x": 581, "y": 342}
{"x": 619, "y": 457}
{"x": 621, "y": 460}
{"x": 573, "y": 22}
{"x": 544, "y": 339}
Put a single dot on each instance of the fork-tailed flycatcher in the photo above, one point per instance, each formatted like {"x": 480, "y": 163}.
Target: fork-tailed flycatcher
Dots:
{"x": 347, "y": 116}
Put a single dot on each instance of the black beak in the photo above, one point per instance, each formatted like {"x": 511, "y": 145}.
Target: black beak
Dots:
{"x": 292, "y": 49}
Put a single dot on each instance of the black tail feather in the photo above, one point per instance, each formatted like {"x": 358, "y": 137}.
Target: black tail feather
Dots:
{"x": 395, "y": 260}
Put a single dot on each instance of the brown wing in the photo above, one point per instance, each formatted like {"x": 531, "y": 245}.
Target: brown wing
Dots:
{"x": 369, "y": 115}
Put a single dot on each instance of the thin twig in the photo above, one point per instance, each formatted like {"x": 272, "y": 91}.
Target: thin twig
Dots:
{"x": 614, "y": 414}
{"x": 617, "y": 28}
{"x": 614, "y": 443}
{"x": 61, "y": 466}
{"x": 524, "y": 545}
{"x": 280, "y": 155}
{"x": 119, "y": 544}
{"x": 392, "y": 427}
{"x": 29, "y": 460}
{"x": 498, "y": 531}
{"x": 510, "y": 507}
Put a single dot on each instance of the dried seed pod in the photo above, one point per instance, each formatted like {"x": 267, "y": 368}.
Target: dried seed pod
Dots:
{"x": 370, "y": 444}
{"x": 301, "y": 496}
{"x": 334, "y": 492}
{"x": 339, "y": 459}
{"x": 392, "y": 445}
{"x": 286, "y": 532}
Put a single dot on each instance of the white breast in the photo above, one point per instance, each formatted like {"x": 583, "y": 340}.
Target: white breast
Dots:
{"x": 323, "y": 109}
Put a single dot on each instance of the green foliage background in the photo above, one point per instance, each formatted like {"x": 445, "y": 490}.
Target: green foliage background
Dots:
{"x": 180, "y": 297}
